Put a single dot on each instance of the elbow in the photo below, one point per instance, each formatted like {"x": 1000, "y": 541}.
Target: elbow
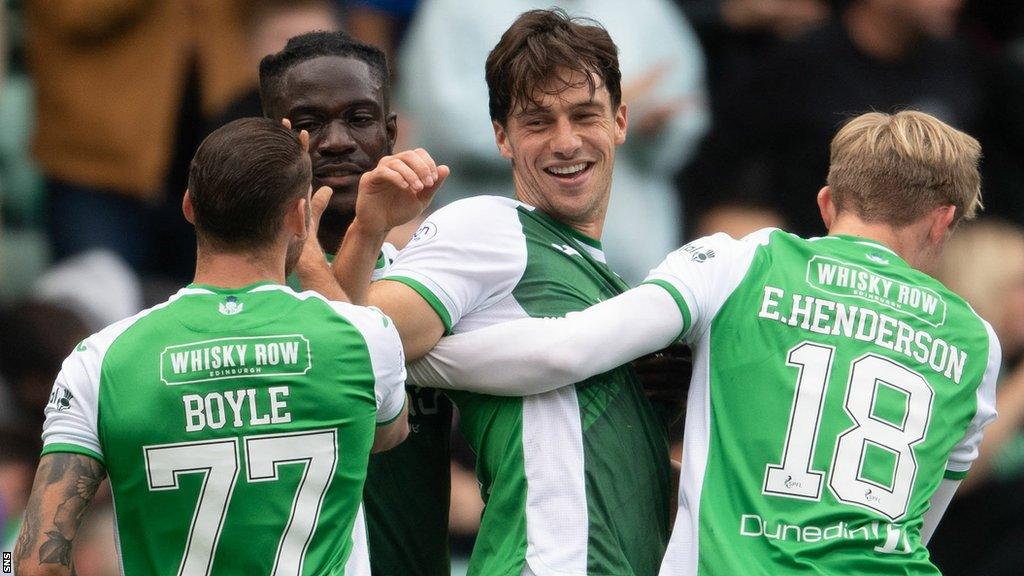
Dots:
{"x": 563, "y": 368}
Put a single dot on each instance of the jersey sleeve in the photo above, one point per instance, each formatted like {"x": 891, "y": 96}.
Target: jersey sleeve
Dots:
{"x": 386, "y": 356}
{"x": 701, "y": 275}
{"x": 465, "y": 257}
{"x": 537, "y": 355}
{"x": 72, "y": 410}
{"x": 388, "y": 253}
{"x": 966, "y": 451}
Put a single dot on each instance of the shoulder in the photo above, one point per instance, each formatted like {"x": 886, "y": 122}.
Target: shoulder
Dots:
{"x": 478, "y": 210}
{"x": 474, "y": 229}
{"x": 368, "y": 320}
{"x": 720, "y": 248}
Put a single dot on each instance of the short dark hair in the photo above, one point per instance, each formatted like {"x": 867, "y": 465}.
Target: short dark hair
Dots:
{"x": 314, "y": 45}
{"x": 242, "y": 179}
{"x": 533, "y": 50}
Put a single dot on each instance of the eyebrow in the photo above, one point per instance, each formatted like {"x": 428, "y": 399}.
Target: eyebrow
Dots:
{"x": 313, "y": 109}
{"x": 532, "y": 110}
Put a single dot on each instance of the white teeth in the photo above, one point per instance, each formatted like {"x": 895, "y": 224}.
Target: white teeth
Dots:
{"x": 568, "y": 169}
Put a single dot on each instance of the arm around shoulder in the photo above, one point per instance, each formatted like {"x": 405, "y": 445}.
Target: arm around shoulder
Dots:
{"x": 536, "y": 355}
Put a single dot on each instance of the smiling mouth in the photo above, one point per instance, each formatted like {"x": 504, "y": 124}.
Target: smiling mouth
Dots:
{"x": 569, "y": 172}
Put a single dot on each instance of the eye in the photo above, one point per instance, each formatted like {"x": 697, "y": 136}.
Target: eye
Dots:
{"x": 307, "y": 125}
{"x": 361, "y": 119}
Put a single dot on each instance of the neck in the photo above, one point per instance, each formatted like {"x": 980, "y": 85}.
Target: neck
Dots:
{"x": 332, "y": 228}
{"x": 590, "y": 224}
{"x": 908, "y": 242}
{"x": 877, "y": 34}
{"x": 588, "y": 229}
{"x": 238, "y": 269}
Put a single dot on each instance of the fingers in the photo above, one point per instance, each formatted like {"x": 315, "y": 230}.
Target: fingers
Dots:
{"x": 417, "y": 169}
{"x": 304, "y": 140}
{"x": 287, "y": 123}
{"x": 321, "y": 198}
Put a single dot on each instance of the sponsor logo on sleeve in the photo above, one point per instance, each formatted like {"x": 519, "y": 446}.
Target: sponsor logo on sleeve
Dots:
{"x": 698, "y": 253}
{"x": 425, "y": 232}
{"x": 61, "y": 398}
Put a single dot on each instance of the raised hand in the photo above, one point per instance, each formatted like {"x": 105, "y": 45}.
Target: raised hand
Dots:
{"x": 398, "y": 190}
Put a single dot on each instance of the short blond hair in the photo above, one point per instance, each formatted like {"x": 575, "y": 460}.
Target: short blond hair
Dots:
{"x": 895, "y": 168}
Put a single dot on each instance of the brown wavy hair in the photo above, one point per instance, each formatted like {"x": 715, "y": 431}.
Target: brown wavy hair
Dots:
{"x": 545, "y": 45}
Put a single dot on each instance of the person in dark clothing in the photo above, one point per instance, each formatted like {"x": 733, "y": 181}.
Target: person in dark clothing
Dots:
{"x": 770, "y": 145}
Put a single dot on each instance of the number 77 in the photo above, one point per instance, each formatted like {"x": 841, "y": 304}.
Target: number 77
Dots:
{"x": 217, "y": 460}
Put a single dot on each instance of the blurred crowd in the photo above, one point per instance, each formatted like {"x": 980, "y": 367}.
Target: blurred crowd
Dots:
{"x": 732, "y": 104}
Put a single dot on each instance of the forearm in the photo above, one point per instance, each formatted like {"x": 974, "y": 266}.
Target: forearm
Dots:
{"x": 354, "y": 264}
{"x": 64, "y": 485}
{"x": 315, "y": 274}
{"x": 536, "y": 355}
{"x": 392, "y": 434}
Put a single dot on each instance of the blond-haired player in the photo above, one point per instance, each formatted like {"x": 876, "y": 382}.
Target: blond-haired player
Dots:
{"x": 838, "y": 391}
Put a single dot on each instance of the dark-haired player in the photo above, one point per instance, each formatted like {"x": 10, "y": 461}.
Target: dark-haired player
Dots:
{"x": 337, "y": 89}
{"x": 839, "y": 392}
{"x": 235, "y": 420}
{"x": 575, "y": 480}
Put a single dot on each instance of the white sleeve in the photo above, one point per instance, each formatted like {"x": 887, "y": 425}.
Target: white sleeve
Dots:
{"x": 702, "y": 274}
{"x": 536, "y": 355}
{"x": 71, "y": 413}
{"x": 464, "y": 257}
{"x": 937, "y": 507}
{"x": 966, "y": 451}
{"x": 386, "y": 356}
{"x": 388, "y": 252}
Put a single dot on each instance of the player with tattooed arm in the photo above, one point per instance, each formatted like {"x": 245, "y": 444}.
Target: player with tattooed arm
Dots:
{"x": 236, "y": 419}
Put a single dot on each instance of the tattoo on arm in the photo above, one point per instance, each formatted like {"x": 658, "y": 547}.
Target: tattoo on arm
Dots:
{"x": 65, "y": 484}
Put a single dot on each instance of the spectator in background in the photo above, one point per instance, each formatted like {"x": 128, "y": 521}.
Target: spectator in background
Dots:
{"x": 269, "y": 25}
{"x": 770, "y": 145}
{"x": 734, "y": 32}
{"x": 443, "y": 92}
{"x": 984, "y": 263}
{"x": 35, "y": 340}
{"x": 381, "y": 23}
{"x": 3, "y": 44}
{"x": 121, "y": 92}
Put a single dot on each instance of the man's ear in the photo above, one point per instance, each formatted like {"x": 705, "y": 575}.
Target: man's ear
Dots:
{"x": 391, "y": 129}
{"x": 501, "y": 139}
{"x": 187, "y": 209}
{"x": 621, "y": 124}
{"x": 942, "y": 221}
{"x": 827, "y": 207}
{"x": 300, "y": 218}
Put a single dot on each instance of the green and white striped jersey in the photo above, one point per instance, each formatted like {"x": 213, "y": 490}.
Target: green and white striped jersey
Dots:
{"x": 235, "y": 426}
{"x": 833, "y": 388}
{"x": 575, "y": 480}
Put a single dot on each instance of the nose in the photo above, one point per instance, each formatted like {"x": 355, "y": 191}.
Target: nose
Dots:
{"x": 565, "y": 143}
{"x": 335, "y": 139}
